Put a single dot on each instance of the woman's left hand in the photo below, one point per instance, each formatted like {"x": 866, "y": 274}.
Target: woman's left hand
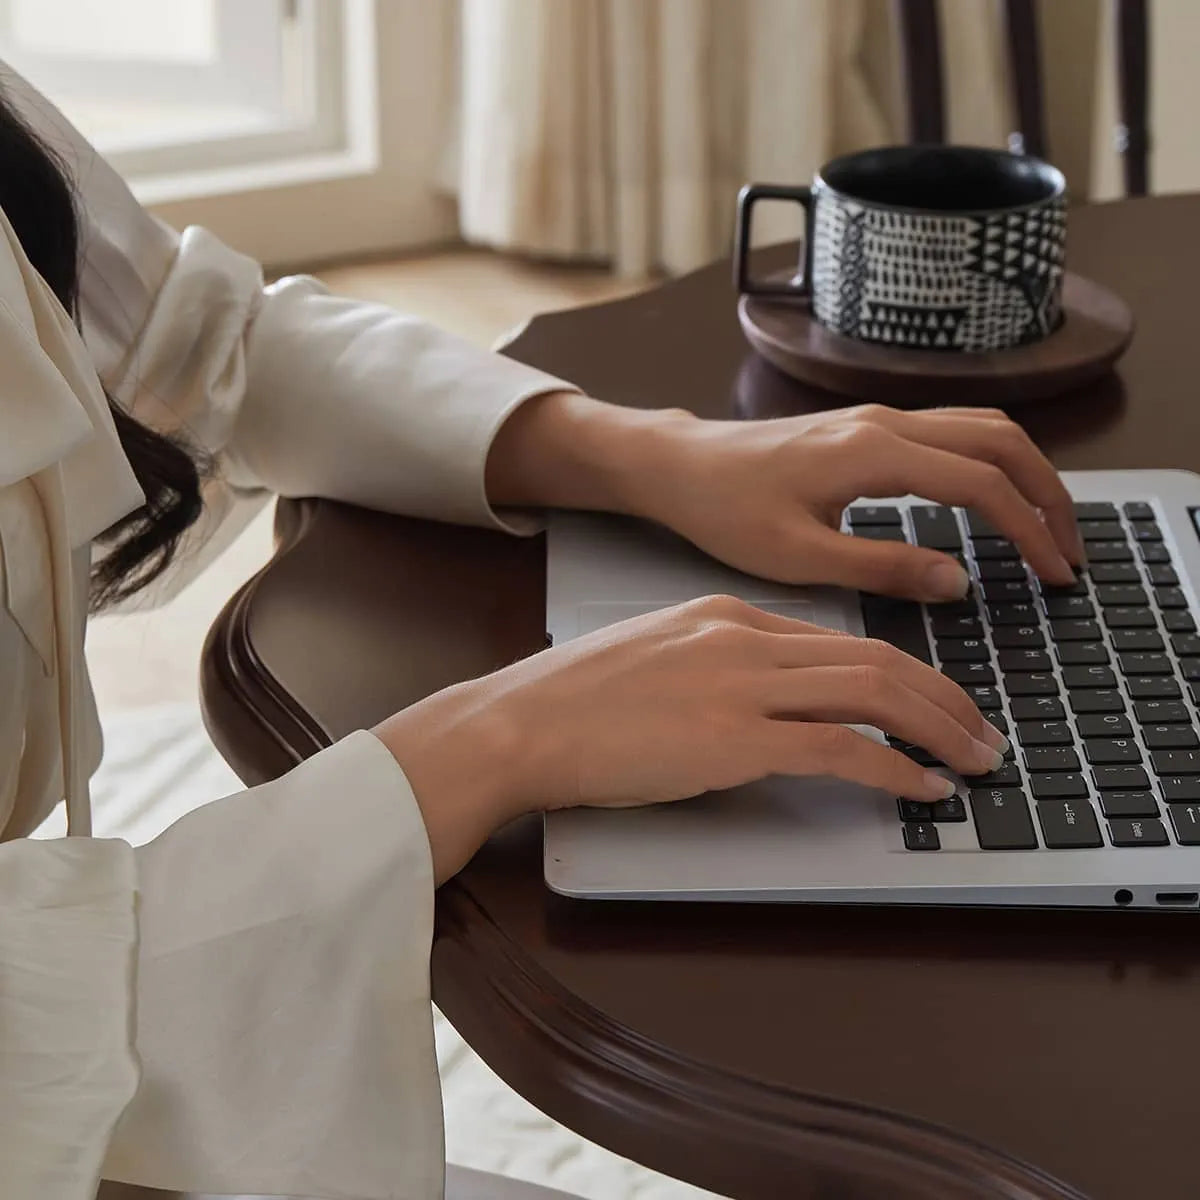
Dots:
{"x": 767, "y": 496}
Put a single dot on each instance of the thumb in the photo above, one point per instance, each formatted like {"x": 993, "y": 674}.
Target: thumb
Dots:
{"x": 891, "y": 568}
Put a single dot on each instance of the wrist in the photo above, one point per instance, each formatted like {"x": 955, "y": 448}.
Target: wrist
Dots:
{"x": 565, "y": 450}
{"x": 456, "y": 751}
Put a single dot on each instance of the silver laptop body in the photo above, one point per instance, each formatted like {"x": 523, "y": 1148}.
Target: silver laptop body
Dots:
{"x": 815, "y": 839}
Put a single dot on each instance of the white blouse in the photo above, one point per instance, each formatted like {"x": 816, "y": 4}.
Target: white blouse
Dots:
{"x": 242, "y": 1005}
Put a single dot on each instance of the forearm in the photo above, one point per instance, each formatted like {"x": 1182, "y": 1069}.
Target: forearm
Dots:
{"x": 564, "y": 450}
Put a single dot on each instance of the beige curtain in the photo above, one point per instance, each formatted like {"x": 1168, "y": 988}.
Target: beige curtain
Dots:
{"x": 620, "y": 130}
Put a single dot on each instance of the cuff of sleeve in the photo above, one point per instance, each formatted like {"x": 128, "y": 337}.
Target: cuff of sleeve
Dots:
{"x": 284, "y": 1018}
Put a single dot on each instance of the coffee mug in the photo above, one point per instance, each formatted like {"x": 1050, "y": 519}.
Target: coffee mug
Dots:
{"x": 951, "y": 248}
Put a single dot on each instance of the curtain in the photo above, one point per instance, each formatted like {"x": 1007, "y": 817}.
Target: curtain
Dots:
{"x": 621, "y": 130}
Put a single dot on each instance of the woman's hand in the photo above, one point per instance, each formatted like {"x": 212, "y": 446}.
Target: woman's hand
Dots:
{"x": 703, "y": 696}
{"x": 767, "y": 496}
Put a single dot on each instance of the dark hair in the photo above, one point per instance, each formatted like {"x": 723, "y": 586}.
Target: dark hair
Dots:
{"x": 37, "y": 197}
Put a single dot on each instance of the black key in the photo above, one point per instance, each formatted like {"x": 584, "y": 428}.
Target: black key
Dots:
{"x": 1170, "y": 597}
{"x": 1189, "y": 668}
{"x": 935, "y": 528}
{"x": 1015, "y": 592}
{"x": 997, "y": 720}
{"x": 1068, "y": 824}
{"x": 1031, "y": 683}
{"x": 1101, "y": 531}
{"x": 915, "y": 810}
{"x": 1109, "y": 552}
{"x": 1179, "y": 621}
{"x": 1089, "y": 677}
{"x": 1120, "y": 617}
{"x": 1146, "y": 531}
{"x": 966, "y": 673}
{"x": 950, "y": 810}
{"x": 1012, "y": 614}
{"x": 1002, "y": 820}
{"x": 1139, "y": 510}
{"x": 1180, "y": 787}
{"x": 1120, "y": 593}
{"x": 968, "y": 650}
{"x": 1074, "y": 630}
{"x": 880, "y": 533}
{"x": 980, "y": 527}
{"x": 1103, "y": 725}
{"x": 1145, "y": 664}
{"x": 1175, "y": 762}
{"x": 1170, "y": 737}
{"x": 1006, "y": 776}
{"x": 1082, "y": 654}
{"x": 1044, "y": 733}
{"x": 1185, "y": 643}
{"x": 1036, "y": 708}
{"x": 1153, "y": 552}
{"x": 1114, "y": 573}
{"x": 1162, "y": 575}
{"x": 1121, "y": 779}
{"x": 917, "y": 753}
{"x": 1001, "y": 570}
{"x": 1136, "y": 639}
{"x": 1019, "y": 637}
{"x": 1051, "y": 758}
{"x": 1097, "y": 700}
{"x": 921, "y": 835}
{"x": 986, "y": 698}
{"x": 1162, "y": 712}
{"x": 1095, "y": 510}
{"x": 1128, "y": 804}
{"x": 1112, "y": 750}
{"x": 898, "y": 622}
{"x": 1186, "y": 819}
{"x": 873, "y": 514}
{"x": 1137, "y": 831}
{"x": 986, "y": 549}
{"x": 1058, "y": 786}
{"x": 958, "y": 627}
{"x": 1152, "y": 687}
{"x": 1069, "y": 607}
{"x": 1024, "y": 660}
{"x": 1078, "y": 588}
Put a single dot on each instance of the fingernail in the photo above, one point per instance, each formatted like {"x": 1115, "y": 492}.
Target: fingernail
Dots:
{"x": 994, "y": 738}
{"x": 938, "y": 786}
{"x": 946, "y": 581}
{"x": 988, "y": 759}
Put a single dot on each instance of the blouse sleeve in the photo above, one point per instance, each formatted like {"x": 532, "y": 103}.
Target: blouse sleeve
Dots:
{"x": 283, "y": 1017}
{"x": 295, "y": 390}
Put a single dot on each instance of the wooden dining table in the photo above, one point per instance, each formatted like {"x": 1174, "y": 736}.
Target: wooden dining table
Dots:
{"x": 765, "y": 1052}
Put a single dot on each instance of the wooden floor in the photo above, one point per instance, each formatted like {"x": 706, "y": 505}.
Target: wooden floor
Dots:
{"x": 147, "y": 658}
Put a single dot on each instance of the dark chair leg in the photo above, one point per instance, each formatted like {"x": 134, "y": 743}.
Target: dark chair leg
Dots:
{"x": 1133, "y": 82}
{"x": 921, "y": 48}
{"x": 1025, "y": 74}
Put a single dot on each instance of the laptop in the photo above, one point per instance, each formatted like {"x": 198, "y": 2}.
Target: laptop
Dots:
{"x": 1097, "y": 687}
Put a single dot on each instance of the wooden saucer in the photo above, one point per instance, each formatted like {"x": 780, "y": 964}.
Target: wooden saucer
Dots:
{"x": 1096, "y": 330}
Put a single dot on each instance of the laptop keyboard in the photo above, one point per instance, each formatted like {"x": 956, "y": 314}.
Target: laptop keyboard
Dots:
{"x": 1096, "y": 685}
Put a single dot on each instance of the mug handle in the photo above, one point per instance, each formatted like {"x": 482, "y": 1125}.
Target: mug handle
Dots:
{"x": 798, "y": 286}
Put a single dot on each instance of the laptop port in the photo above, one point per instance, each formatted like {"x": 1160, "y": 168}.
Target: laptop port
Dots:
{"x": 1122, "y": 896}
{"x": 1176, "y": 897}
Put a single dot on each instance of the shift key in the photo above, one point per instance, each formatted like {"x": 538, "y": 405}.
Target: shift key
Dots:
{"x": 1002, "y": 820}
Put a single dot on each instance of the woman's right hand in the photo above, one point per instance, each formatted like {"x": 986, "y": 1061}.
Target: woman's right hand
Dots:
{"x": 702, "y": 696}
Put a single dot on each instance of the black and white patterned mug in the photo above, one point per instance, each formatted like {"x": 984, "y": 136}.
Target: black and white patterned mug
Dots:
{"x": 955, "y": 248}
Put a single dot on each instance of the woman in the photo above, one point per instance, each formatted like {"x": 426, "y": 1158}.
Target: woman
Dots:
{"x": 243, "y": 1004}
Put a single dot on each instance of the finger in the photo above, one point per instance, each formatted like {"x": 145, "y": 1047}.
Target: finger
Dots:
{"x": 1000, "y": 441}
{"x": 890, "y": 568}
{"x": 877, "y": 662}
{"x": 873, "y": 697}
{"x": 804, "y": 748}
{"x": 902, "y": 466}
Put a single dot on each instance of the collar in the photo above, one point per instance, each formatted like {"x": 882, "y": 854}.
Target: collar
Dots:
{"x": 52, "y": 408}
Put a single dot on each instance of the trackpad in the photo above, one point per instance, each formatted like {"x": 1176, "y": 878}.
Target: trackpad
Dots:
{"x": 829, "y": 607}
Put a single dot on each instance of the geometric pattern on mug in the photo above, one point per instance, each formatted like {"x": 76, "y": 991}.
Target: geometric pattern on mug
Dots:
{"x": 939, "y": 281}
